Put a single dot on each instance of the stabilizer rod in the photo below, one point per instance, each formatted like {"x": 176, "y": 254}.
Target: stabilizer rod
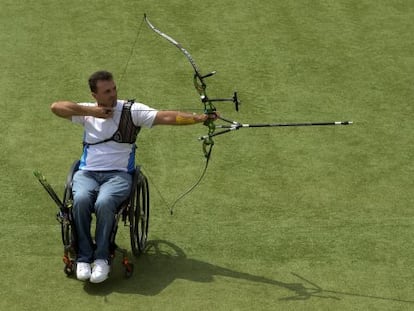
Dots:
{"x": 235, "y": 126}
{"x": 287, "y": 124}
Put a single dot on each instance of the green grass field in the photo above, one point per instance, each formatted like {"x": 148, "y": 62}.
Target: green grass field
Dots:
{"x": 311, "y": 218}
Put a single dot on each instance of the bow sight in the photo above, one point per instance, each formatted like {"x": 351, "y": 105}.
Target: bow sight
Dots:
{"x": 201, "y": 88}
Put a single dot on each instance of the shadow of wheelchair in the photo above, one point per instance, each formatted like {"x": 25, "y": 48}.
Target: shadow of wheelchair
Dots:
{"x": 164, "y": 262}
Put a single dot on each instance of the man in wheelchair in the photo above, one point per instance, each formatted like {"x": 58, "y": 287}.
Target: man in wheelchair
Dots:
{"x": 104, "y": 178}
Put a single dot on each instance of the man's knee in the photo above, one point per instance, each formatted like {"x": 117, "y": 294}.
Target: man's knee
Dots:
{"x": 106, "y": 205}
{"x": 83, "y": 201}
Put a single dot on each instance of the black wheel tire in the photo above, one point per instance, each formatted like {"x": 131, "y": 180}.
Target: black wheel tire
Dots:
{"x": 139, "y": 216}
{"x": 129, "y": 270}
{"x": 69, "y": 270}
{"x": 68, "y": 239}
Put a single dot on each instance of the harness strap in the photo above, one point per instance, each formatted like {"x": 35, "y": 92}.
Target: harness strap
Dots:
{"x": 127, "y": 131}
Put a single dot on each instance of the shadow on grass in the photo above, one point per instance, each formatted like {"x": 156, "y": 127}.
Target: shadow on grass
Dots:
{"x": 165, "y": 262}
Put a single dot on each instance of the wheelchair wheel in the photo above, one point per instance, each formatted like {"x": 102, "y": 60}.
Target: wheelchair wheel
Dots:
{"x": 66, "y": 223}
{"x": 69, "y": 249}
{"x": 139, "y": 215}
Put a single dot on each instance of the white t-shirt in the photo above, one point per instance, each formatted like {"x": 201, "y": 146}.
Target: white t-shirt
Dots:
{"x": 111, "y": 155}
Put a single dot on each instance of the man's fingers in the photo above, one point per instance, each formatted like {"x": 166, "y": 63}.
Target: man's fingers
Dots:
{"x": 109, "y": 112}
{"x": 104, "y": 112}
{"x": 213, "y": 116}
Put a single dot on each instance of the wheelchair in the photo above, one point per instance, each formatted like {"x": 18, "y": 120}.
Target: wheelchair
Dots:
{"x": 133, "y": 212}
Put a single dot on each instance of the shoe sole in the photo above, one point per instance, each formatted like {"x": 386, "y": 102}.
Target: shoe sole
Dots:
{"x": 96, "y": 281}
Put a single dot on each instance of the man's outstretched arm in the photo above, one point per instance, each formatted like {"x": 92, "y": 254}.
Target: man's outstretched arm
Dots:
{"x": 180, "y": 118}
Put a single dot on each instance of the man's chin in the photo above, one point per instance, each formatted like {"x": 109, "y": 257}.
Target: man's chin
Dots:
{"x": 108, "y": 104}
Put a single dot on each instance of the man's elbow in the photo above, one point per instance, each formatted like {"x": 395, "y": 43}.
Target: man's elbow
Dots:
{"x": 58, "y": 109}
{"x": 54, "y": 107}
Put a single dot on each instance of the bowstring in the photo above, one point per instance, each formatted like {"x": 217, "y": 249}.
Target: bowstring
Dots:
{"x": 124, "y": 72}
{"x": 131, "y": 53}
{"x": 171, "y": 206}
{"x": 203, "y": 173}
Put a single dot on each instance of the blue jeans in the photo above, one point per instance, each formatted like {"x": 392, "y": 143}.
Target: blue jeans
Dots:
{"x": 100, "y": 193}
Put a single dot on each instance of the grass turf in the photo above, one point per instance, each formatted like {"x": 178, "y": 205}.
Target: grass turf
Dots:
{"x": 286, "y": 219}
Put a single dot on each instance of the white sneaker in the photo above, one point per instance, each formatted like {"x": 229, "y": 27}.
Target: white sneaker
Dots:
{"x": 100, "y": 271}
{"x": 83, "y": 271}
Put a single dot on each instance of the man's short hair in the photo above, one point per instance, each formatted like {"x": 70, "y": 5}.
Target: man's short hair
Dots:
{"x": 101, "y": 75}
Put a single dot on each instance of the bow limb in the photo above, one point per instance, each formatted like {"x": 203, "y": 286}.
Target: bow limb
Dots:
{"x": 199, "y": 85}
{"x": 175, "y": 43}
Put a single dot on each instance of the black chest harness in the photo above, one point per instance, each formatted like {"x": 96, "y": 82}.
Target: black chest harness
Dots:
{"x": 127, "y": 131}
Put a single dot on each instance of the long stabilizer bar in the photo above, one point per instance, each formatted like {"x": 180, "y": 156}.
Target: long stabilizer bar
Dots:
{"x": 236, "y": 125}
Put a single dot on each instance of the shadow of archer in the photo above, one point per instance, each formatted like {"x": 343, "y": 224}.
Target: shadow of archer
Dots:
{"x": 164, "y": 262}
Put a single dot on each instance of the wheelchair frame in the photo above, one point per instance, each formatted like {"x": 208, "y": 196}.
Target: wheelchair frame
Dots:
{"x": 134, "y": 212}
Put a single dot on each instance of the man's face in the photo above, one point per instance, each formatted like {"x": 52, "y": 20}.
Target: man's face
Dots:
{"x": 106, "y": 94}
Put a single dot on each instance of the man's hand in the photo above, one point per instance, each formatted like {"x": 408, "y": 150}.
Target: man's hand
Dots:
{"x": 211, "y": 117}
{"x": 101, "y": 112}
